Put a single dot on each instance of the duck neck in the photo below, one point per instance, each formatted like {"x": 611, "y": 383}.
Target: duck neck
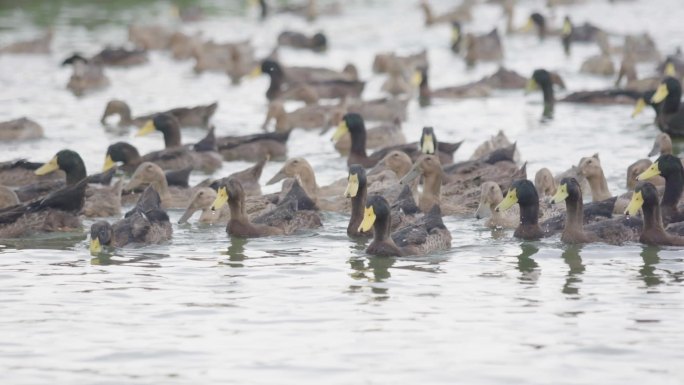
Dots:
{"x": 276, "y": 85}
{"x": 358, "y": 143}
{"x": 76, "y": 174}
{"x": 358, "y": 203}
{"x": 432, "y": 190}
{"x": 125, "y": 117}
{"x": 549, "y": 100}
{"x": 381, "y": 229}
{"x": 653, "y": 219}
{"x": 162, "y": 188}
{"x": 529, "y": 214}
{"x": 671, "y": 102}
{"x": 599, "y": 187}
{"x": 308, "y": 179}
{"x": 424, "y": 98}
{"x": 575, "y": 214}
{"x": 237, "y": 210}
{"x": 172, "y": 137}
{"x": 674, "y": 185}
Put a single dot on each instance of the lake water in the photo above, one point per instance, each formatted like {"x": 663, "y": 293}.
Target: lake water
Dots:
{"x": 313, "y": 308}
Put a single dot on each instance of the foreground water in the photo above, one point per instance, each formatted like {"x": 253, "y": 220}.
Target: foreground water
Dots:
{"x": 313, "y": 307}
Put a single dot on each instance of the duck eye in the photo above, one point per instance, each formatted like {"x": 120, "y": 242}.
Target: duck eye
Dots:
{"x": 201, "y": 193}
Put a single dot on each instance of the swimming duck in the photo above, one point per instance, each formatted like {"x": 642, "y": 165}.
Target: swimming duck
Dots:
{"x": 669, "y": 167}
{"x": 67, "y": 161}
{"x": 7, "y": 197}
{"x": 308, "y": 117}
{"x": 113, "y": 57}
{"x": 635, "y": 169}
{"x": 384, "y": 135}
{"x": 662, "y": 145}
{"x": 486, "y": 47}
{"x": 525, "y": 195}
{"x": 577, "y": 33}
{"x": 202, "y": 201}
{"x": 542, "y": 79}
{"x": 58, "y": 211}
{"x": 317, "y": 43}
{"x": 300, "y": 168}
{"x": 39, "y": 45}
{"x": 104, "y": 201}
{"x": 236, "y": 59}
{"x": 255, "y": 147}
{"x": 645, "y": 197}
{"x": 295, "y": 212}
{"x": 601, "y": 64}
{"x": 590, "y": 168}
{"x": 87, "y": 77}
{"x": 642, "y": 48}
{"x": 428, "y": 144}
{"x": 398, "y": 82}
{"x": 203, "y": 155}
{"x": 146, "y": 224}
{"x": 126, "y": 157}
{"x": 460, "y": 13}
{"x": 429, "y": 167}
{"x": 354, "y": 125}
{"x": 197, "y": 116}
{"x": 490, "y": 197}
{"x": 150, "y": 36}
{"x": 382, "y": 62}
{"x": 495, "y": 142}
{"x": 384, "y": 109}
{"x": 426, "y": 235}
{"x": 671, "y": 117}
{"x": 612, "y": 231}
{"x": 357, "y": 190}
{"x": 628, "y": 71}
{"x": 583, "y": 33}
{"x": 470, "y": 90}
{"x": 151, "y": 174}
{"x": 309, "y": 9}
{"x": 545, "y": 183}
{"x": 20, "y": 129}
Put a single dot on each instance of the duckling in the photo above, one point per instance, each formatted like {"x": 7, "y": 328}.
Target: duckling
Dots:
{"x": 485, "y": 47}
{"x": 203, "y": 155}
{"x": 146, "y": 224}
{"x": 197, "y": 116}
{"x": 255, "y": 147}
{"x": 384, "y": 135}
{"x": 21, "y": 173}
{"x": 671, "y": 117}
{"x": 382, "y": 62}
{"x": 645, "y": 197}
{"x": 422, "y": 237}
{"x": 39, "y": 45}
{"x": 490, "y": 197}
{"x": 58, "y": 211}
{"x": 113, "y": 57}
{"x": 20, "y": 129}
{"x": 612, "y": 231}
{"x": 470, "y": 90}
{"x": 460, "y": 13}
{"x": 87, "y": 77}
{"x": 669, "y": 167}
{"x": 295, "y": 212}
{"x": 638, "y": 167}
{"x": 150, "y": 36}
{"x": 7, "y": 197}
{"x": 525, "y": 195}
{"x": 317, "y": 43}
{"x": 151, "y": 174}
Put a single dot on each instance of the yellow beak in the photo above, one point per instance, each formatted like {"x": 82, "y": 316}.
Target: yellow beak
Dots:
{"x": 561, "y": 194}
{"x": 341, "y": 130}
{"x": 531, "y": 86}
{"x": 650, "y": 172}
{"x": 670, "y": 70}
{"x": 48, "y": 167}
{"x": 455, "y": 34}
{"x": 416, "y": 79}
{"x": 510, "y": 199}
{"x": 221, "y": 199}
{"x": 95, "y": 246}
{"x": 638, "y": 107}
{"x": 368, "y": 219}
{"x": 352, "y": 186}
{"x": 567, "y": 29}
{"x": 528, "y": 26}
{"x": 147, "y": 129}
{"x": 109, "y": 163}
{"x": 660, "y": 94}
{"x": 635, "y": 204}
{"x": 428, "y": 145}
{"x": 255, "y": 72}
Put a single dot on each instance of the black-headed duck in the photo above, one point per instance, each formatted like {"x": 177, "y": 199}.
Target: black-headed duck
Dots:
{"x": 146, "y": 224}
{"x": 669, "y": 167}
{"x": 197, "y": 116}
{"x": 357, "y": 190}
{"x": 317, "y": 42}
{"x": 382, "y": 62}
{"x": 525, "y": 195}
{"x": 671, "y": 117}
{"x": 20, "y": 129}
{"x": 203, "y": 155}
{"x": 424, "y": 236}
{"x": 612, "y": 231}
{"x": 645, "y": 197}
{"x": 127, "y": 158}
{"x": 384, "y": 135}
{"x": 354, "y": 125}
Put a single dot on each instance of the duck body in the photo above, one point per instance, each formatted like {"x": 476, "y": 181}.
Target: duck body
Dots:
{"x": 114, "y": 57}
{"x": 87, "y": 77}
{"x": 645, "y": 197}
{"x": 317, "y": 43}
{"x": 20, "y": 129}
{"x": 253, "y": 148}
{"x": 198, "y": 116}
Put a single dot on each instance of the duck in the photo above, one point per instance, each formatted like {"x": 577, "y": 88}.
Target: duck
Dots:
{"x": 545, "y": 183}
{"x": 249, "y": 177}
{"x": 87, "y": 77}
{"x": 662, "y": 145}
{"x": 383, "y": 109}
{"x": 670, "y": 168}
{"x": 113, "y": 57}
{"x": 151, "y": 174}
{"x": 384, "y": 135}
{"x": 7, "y": 197}
{"x": 236, "y": 59}
{"x": 354, "y": 125}
{"x": 398, "y": 83}
{"x": 523, "y": 193}
{"x": 146, "y": 224}
{"x": 150, "y": 36}
{"x": 383, "y": 61}
{"x": 183, "y": 46}
{"x": 424, "y": 236}
{"x": 125, "y": 157}
{"x": 20, "y": 129}
{"x": 583, "y": 33}
{"x": 460, "y": 13}
{"x": 317, "y": 43}
{"x": 56, "y": 212}
{"x": 309, "y": 9}
{"x": 645, "y": 197}
{"x": 252, "y": 148}
{"x": 470, "y": 90}
{"x": 638, "y": 167}
{"x": 198, "y": 116}
{"x": 642, "y": 48}
{"x": 428, "y": 144}
{"x": 21, "y": 172}
{"x": 490, "y": 197}
{"x": 357, "y": 190}
{"x": 295, "y": 212}
{"x": 602, "y": 64}
{"x": 300, "y": 168}
{"x": 307, "y": 117}
{"x": 495, "y": 142}
{"x": 429, "y": 167}
{"x": 202, "y": 156}
{"x": 483, "y": 48}
{"x": 104, "y": 201}
{"x": 201, "y": 201}
{"x": 38, "y": 46}
{"x": 590, "y": 168}
{"x": 629, "y": 73}
{"x": 612, "y": 231}
{"x": 671, "y": 117}
{"x": 542, "y": 79}
{"x": 498, "y": 166}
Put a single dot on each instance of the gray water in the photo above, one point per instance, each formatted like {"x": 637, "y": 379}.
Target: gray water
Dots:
{"x": 313, "y": 308}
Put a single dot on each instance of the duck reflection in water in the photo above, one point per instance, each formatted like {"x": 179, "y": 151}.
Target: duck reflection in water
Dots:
{"x": 527, "y": 266}
{"x": 144, "y": 260}
{"x": 573, "y": 259}
{"x": 647, "y": 272}
{"x": 377, "y": 266}
{"x": 236, "y": 252}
